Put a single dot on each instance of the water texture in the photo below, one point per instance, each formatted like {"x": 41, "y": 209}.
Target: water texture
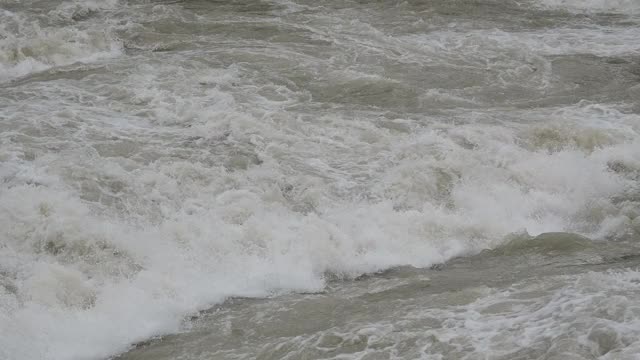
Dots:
{"x": 244, "y": 179}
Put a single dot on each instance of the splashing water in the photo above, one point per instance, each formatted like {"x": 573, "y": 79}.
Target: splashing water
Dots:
{"x": 159, "y": 158}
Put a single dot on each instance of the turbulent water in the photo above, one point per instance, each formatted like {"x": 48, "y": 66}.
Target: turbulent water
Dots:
{"x": 298, "y": 179}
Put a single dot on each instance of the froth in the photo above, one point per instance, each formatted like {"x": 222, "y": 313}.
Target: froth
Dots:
{"x": 74, "y": 265}
{"x": 28, "y": 46}
{"x": 177, "y": 180}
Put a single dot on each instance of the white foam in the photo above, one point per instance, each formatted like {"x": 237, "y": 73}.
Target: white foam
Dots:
{"x": 78, "y": 274}
{"x": 26, "y": 47}
{"x": 582, "y": 316}
{"x": 599, "y": 41}
{"x": 195, "y": 186}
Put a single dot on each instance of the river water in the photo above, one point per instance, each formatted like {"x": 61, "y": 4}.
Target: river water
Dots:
{"x": 298, "y": 179}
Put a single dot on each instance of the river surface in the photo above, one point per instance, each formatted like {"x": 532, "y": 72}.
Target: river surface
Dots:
{"x": 319, "y": 179}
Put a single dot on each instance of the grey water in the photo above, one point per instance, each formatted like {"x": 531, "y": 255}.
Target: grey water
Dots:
{"x": 538, "y": 301}
{"x": 319, "y": 179}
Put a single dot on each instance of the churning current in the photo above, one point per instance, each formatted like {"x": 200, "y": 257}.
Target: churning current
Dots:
{"x": 319, "y": 179}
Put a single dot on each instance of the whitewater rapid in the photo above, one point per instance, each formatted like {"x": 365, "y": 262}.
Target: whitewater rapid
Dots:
{"x": 158, "y": 158}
